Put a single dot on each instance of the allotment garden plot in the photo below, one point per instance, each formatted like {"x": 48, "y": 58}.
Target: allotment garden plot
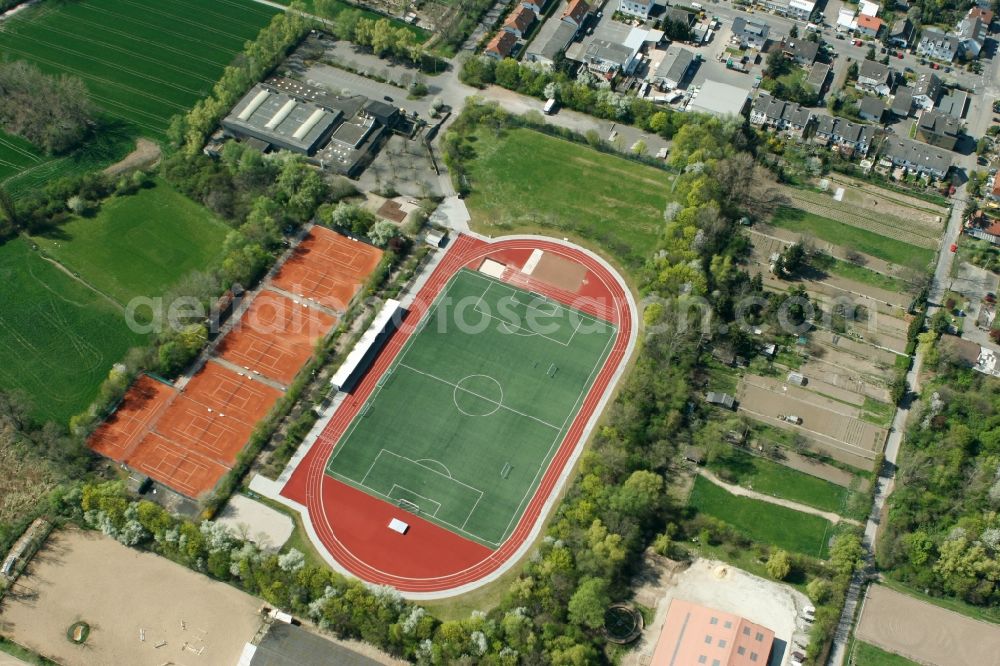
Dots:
{"x": 464, "y": 423}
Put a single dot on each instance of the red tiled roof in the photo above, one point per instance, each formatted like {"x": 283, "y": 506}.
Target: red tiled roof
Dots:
{"x": 995, "y": 190}
{"x": 994, "y": 228}
{"x": 502, "y": 43}
{"x": 869, "y": 22}
{"x": 577, "y": 10}
{"x": 986, "y": 15}
{"x": 520, "y": 19}
{"x": 694, "y": 634}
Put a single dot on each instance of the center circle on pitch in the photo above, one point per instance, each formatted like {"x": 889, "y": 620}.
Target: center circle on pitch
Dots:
{"x": 478, "y": 395}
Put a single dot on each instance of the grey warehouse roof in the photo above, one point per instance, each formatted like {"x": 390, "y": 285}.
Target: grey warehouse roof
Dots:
{"x": 274, "y": 116}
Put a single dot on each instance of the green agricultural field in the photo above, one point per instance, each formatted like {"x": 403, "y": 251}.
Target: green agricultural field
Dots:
{"x": 58, "y": 339}
{"x": 463, "y": 425}
{"x": 138, "y": 245}
{"x": 861, "y": 240}
{"x": 142, "y": 63}
{"x": 525, "y": 181}
{"x": 763, "y": 522}
{"x": 775, "y": 479}
{"x": 866, "y": 654}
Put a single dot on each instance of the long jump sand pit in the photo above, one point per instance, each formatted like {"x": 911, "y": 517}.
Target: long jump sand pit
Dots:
{"x": 925, "y": 633}
{"x": 328, "y": 268}
{"x": 124, "y": 595}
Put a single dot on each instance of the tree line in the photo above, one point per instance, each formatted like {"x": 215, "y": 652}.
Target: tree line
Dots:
{"x": 259, "y": 57}
{"x": 584, "y": 93}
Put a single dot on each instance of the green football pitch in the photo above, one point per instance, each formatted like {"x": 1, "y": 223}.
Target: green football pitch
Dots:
{"x": 461, "y": 427}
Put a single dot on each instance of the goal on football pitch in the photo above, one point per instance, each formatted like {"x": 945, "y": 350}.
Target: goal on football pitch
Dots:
{"x": 479, "y": 402}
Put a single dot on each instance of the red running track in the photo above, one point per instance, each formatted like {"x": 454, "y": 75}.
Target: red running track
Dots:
{"x": 352, "y": 524}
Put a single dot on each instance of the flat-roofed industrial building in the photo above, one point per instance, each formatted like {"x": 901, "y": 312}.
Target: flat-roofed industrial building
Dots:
{"x": 337, "y": 133}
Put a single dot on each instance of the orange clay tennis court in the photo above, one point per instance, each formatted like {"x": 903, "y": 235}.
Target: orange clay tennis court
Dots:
{"x": 328, "y": 268}
{"x": 186, "y": 439}
{"x": 138, "y": 410}
{"x": 275, "y": 337}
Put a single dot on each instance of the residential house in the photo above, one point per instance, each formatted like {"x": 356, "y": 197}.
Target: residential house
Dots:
{"x": 501, "y": 45}
{"x": 575, "y": 13}
{"x": 797, "y": 9}
{"x": 640, "y": 8}
{"x": 551, "y": 40}
{"x": 818, "y": 76}
{"x": 939, "y": 129}
{"x": 875, "y": 77}
{"x": 802, "y": 51}
{"x": 868, "y": 8}
{"x": 984, "y": 14}
{"x": 972, "y": 34}
{"x": 926, "y": 90}
{"x": 679, "y": 15}
{"x": 869, "y": 25}
{"x": 777, "y": 114}
{"x": 537, "y": 6}
{"x": 900, "y": 34}
{"x": 673, "y": 68}
{"x": 519, "y": 21}
{"x": 936, "y": 44}
{"x": 844, "y": 135}
{"x": 871, "y": 109}
{"x": 801, "y": 9}
{"x": 750, "y": 33}
{"x": 917, "y": 156}
{"x": 902, "y": 102}
{"x": 608, "y": 58}
{"x": 994, "y": 190}
{"x": 954, "y": 103}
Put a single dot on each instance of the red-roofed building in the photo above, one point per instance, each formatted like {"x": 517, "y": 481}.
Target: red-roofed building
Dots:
{"x": 983, "y": 14}
{"x": 693, "y": 635}
{"x": 519, "y": 21}
{"x": 994, "y": 192}
{"x": 869, "y": 25}
{"x": 501, "y": 45}
{"x": 575, "y": 13}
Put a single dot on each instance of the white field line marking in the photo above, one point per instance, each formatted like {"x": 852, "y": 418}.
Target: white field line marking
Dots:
{"x": 481, "y": 397}
{"x": 407, "y": 490}
{"x": 572, "y": 412}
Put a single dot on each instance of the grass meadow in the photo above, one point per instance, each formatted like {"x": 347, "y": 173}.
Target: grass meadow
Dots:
{"x": 771, "y": 478}
{"x": 846, "y": 236}
{"x": 142, "y": 63}
{"x": 58, "y": 338}
{"x": 524, "y": 181}
{"x": 138, "y": 245}
{"x": 763, "y": 522}
{"x": 866, "y": 654}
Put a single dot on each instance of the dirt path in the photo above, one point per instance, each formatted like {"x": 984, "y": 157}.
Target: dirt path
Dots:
{"x": 740, "y": 491}
{"x": 79, "y": 279}
{"x": 146, "y": 154}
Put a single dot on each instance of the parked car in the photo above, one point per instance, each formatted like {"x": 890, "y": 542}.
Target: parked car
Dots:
{"x": 858, "y": 42}
{"x": 934, "y": 65}
{"x": 899, "y": 55}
